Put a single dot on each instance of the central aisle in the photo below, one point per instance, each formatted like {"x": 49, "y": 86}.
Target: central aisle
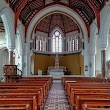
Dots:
{"x": 56, "y": 98}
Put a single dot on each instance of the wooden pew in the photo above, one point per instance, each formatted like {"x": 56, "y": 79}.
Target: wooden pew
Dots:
{"x": 86, "y": 89}
{"x": 81, "y": 79}
{"x": 15, "y": 107}
{"x": 94, "y": 101}
{"x": 26, "y": 88}
{"x": 24, "y": 95}
{"x": 31, "y": 101}
{"x": 39, "y": 96}
{"x": 2, "y": 85}
{"x": 88, "y": 95}
{"x": 72, "y": 87}
{"x": 94, "y": 107}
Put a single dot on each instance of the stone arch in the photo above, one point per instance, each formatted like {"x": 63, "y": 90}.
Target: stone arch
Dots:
{"x": 105, "y": 26}
{"x": 51, "y": 9}
{"x": 20, "y": 33}
{"x": 8, "y": 22}
{"x": 54, "y": 29}
{"x": 93, "y": 39}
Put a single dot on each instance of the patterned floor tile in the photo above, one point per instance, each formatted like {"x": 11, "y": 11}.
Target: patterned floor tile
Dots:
{"x": 56, "y": 99}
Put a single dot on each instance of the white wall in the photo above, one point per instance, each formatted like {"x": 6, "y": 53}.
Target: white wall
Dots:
{"x": 2, "y": 38}
{"x": 98, "y": 56}
{"x": 108, "y": 52}
{"x": 108, "y": 49}
{"x": 17, "y": 52}
{"x": 3, "y": 60}
{"x": 2, "y": 4}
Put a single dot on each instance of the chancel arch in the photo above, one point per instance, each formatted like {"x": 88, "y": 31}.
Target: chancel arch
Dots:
{"x": 69, "y": 12}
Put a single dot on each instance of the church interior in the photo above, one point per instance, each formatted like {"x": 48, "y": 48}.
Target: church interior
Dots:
{"x": 54, "y": 54}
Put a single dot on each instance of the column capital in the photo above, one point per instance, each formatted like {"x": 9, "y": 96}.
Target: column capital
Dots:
{"x": 103, "y": 47}
{"x": 11, "y": 49}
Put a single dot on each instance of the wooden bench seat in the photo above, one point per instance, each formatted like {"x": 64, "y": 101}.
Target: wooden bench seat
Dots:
{"x": 88, "y": 95}
{"x": 87, "y": 88}
{"x": 29, "y": 90}
{"x": 31, "y": 101}
{"x": 15, "y": 107}
{"x": 95, "y": 107}
{"x": 9, "y": 85}
{"x": 39, "y": 99}
{"x": 94, "y": 101}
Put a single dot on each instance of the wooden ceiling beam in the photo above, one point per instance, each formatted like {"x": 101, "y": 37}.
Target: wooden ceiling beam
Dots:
{"x": 97, "y": 14}
{"x": 33, "y": 1}
{"x": 18, "y": 12}
{"x": 43, "y": 3}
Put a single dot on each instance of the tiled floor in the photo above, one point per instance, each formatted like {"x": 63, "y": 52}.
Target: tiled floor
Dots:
{"x": 56, "y": 99}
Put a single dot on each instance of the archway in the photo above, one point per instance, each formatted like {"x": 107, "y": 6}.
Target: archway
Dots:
{"x": 104, "y": 36}
{"x": 93, "y": 46}
{"x": 51, "y": 9}
{"x": 8, "y": 22}
{"x": 20, "y": 47}
{"x": 7, "y": 40}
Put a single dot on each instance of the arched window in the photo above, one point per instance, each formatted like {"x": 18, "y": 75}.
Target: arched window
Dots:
{"x": 56, "y": 42}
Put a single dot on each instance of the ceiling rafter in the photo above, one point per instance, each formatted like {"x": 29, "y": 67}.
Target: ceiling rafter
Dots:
{"x": 87, "y": 9}
{"x": 17, "y": 5}
{"x": 34, "y": 1}
{"x": 84, "y": 8}
{"x": 18, "y": 12}
{"x": 96, "y": 12}
{"x": 43, "y": 2}
{"x": 34, "y": 6}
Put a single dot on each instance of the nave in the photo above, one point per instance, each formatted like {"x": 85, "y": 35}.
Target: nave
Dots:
{"x": 44, "y": 93}
{"x": 56, "y": 99}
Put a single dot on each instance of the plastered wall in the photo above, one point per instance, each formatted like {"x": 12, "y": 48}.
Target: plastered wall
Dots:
{"x": 74, "y": 63}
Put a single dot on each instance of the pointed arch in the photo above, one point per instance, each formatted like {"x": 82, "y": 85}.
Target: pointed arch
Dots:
{"x": 8, "y": 22}
{"x": 20, "y": 32}
{"x": 62, "y": 9}
{"x": 57, "y": 40}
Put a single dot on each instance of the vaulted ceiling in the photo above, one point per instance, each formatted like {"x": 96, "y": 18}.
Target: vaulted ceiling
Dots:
{"x": 87, "y": 9}
{"x": 65, "y": 23}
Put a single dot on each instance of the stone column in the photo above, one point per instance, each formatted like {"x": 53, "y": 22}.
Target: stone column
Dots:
{"x": 27, "y": 59}
{"x": 86, "y": 58}
{"x": 11, "y": 58}
{"x": 103, "y": 63}
{"x": 92, "y": 65}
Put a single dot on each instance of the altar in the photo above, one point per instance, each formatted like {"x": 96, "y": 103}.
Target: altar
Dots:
{"x": 56, "y": 75}
{"x": 56, "y": 71}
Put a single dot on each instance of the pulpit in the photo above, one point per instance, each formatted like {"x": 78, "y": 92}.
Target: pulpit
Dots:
{"x": 10, "y": 73}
